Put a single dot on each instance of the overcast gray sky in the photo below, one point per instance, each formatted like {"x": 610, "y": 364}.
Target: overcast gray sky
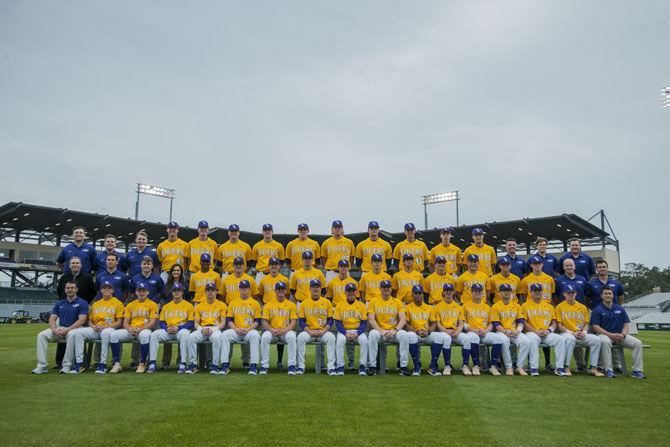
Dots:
{"x": 309, "y": 111}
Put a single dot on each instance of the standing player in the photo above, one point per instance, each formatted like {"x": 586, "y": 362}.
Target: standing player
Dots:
{"x": 299, "y": 245}
{"x": 473, "y": 275}
{"x": 540, "y": 326}
{"x": 267, "y": 285}
{"x": 569, "y": 277}
{"x": 199, "y": 246}
{"x": 229, "y": 289}
{"x": 433, "y": 285}
{"x": 335, "y": 289}
{"x": 573, "y": 324}
{"x": 316, "y": 319}
{"x": 172, "y": 250}
{"x": 518, "y": 266}
{"x": 584, "y": 265}
{"x": 485, "y": 253}
{"x": 351, "y": 320}
{"x": 479, "y": 328}
{"x": 100, "y": 260}
{"x": 421, "y": 329}
{"x": 373, "y": 245}
{"x": 233, "y": 248}
{"x": 139, "y": 318}
{"x": 386, "y": 316}
{"x": 209, "y": 321}
{"x": 504, "y": 277}
{"x": 507, "y": 318}
{"x": 105, "y": 316}
{"x": 549, "y": 261}
{"x": 204, "y": 276}
{"x": 77, "y": 248}
{"x": 448, "y": 251}
{"x": 369, "y": 287}
{"x": 134, "y": 257}
{"x": 244, "y": 317}
{"x": 334, "y": 249}
{"x": 450, "y": 318}
{"x": 263, "y": 250}
{"x": 301, "y": 279}
{"x": 152, "y": 280}
{"x": 412, "y": 246}
{"x": 279, "y": 319}
{"x": 175, "y": 322}
{"x": 406, "y": 278}
{"x": 114, "y": 276}
{"x": 595, "y": 286}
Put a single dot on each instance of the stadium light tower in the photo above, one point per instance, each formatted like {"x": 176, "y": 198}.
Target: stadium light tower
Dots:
{"x": 451, "y": 196}
{"x": 157, "y": 191}
{"x": 665, "y": 97}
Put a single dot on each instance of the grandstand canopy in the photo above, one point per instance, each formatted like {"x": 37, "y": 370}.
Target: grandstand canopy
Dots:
{"x": 43, "y": 223}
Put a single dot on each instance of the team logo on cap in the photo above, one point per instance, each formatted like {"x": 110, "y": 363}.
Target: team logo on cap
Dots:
{"x": 477, "y": 287}
{"x": 343, "y": 263}
{"x": 409, "y": 226}
{"x": 280, "y": 285}
{"x": 385, "y": 283}
{"x": 350, "y": 287}
{"x": 407, "y": 256}
{"x": 535, "y": 287}
{"x": 473, "y": 258}
{"x": 505, "y": 287}
{"x": 315, "y": 283}
{"x": 205, "y": 257}
{"x": 267, "y": 227}
{"x": 440, "y": 260}
{"x": 376, "y": 258}
{"x": 106, "y": 284}
{"x": 172, "y": 224}
{"x": 244, "y": 284}
{"x": 448, "y": 287}
{"x": 203, "y": 224}
{"x": 233, "y": 227}
{"x": 373, "y": 224}
{"x": 476, "y": 231}
{"x": 307, "y": 254}
{"x": 210, "y": 286}
{"x": 337, "y": 223}
{"x": 238, "y": 261}
{"x": 417, "y": 289}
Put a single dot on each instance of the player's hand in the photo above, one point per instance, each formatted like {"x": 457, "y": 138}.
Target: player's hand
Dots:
{"x": 514, "y": 334}
{"x": 618, "y": 337}
{"x": 579, "y": 335}
{"x": 172, "y": 329}
{"x": 206, "y": 331}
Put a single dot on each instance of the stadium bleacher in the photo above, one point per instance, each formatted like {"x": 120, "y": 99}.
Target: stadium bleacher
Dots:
{"x": 34, "y": 301}
{"x": 652, "y": 309}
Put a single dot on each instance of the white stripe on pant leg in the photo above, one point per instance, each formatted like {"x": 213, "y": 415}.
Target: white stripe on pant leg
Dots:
{"x": 253, "y": 337}
{"x": 363, "y": 349}
{"x": 339, "y": 349}
{"x": 533, "y": 353}
{"x": 182, "y": 337}
{"x": 402, "y": 337}
{"x": 105, "y": 336}
{"x": 266, "y": 339}
{"x": 43, "y": 340}
{"x": 193, "y": 340}
{"x": 636, "y": 346}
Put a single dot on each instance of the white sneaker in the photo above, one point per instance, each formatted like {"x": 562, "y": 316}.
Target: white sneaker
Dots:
{"x": 40, "y": 370}
{"x": 65, "y": 370}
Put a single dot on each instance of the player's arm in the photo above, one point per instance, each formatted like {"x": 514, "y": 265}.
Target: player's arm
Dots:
{"x": 402, "y": 320}
{"x": 265, "y": 325}
{"x": 373, "y": 321}
{"x": 196, "y": 321}
{"x": 151, "y": 324}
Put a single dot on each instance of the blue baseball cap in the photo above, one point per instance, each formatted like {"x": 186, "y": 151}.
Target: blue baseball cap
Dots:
{"x": 203, "y": 224}
{"x": 477, "y": 287}
{"x": 535, "y": 287}
{"x": 373, "y": 224}
{"x": 273, "y": 260}
{"x": 280, "y": 285}
{"x": 172, "y": 224}
{"x": 505, "y": 287}
{"x": 303, "y": 226}
{"x": 238, "y": 261}
{"x": 141, "y": 286}
{"x": 205, "y": 257}
{"x": 417, "y": 289}
{"x": 447, "y": 230}
{"x": 180, "y": 286}
{"x": 535, "y": 260}
{"x": 569, "y": 288}
{"x": 448, "y": 287}
{"x": 409, "y": 226}
{"x": 233, "y": 227}
{"x": 244, "y": 284}
{"x": 307, "y": 254}
{"x": 477, "y": 230}
{"x": 210, "y": 286}
{"x": 473, "y": 258}
{"x": 267, "y": 227}
{"x": 343, "y": 263}
{"x": 504, "y": 260}
{"x": 106, "y": 284}
{"x": 376, "y": 258}
{"x": 385, "y": 283}
{"x": 440, "y": 260}
{"x": 407, "y": 256}
{"x": 315, "y": 283}
{"x": 337, "y": 223}
{"x": 350, "y": 287}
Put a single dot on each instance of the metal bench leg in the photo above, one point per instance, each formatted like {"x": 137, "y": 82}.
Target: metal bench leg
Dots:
{"x": 318, "y": 352}
{"x": 381, "y": 358}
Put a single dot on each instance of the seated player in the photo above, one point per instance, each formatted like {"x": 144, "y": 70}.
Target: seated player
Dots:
{"x": 386, "y": 316}
{"x": 507, "y": 318}
{"x": 66, "y": 316}
{"x": 278, "y": 321}
{"x": 610, "y": 321}
{"x": 573, "y": 324}
{"x": 316, "y": 319}
{"x": 449, "y": 319}
{"x": 351, "y": 320}
{"x": 209, "y": 321}
{"x": 336, "y": 294}
{"x": 244, "y": 317}
{"x": 139, "y": 319}
{"x": 175, "y": 322}
{"x": 421, "y": 329}
{"x": 479, "y": 328}
{"x": 539, "y": 325}
{"x": 104, "y": 317}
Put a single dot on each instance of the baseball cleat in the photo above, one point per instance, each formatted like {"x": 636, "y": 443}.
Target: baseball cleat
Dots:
{"x": 404, "y": 372}
{"x": 245, "y": 365}
{"x": 476, "y": 371}
{"x": 361, "y": 370}
{"x": 433, "y": 371}
{"x": 181, "y": 369}
{"x": 101, "y": 369}
{"x": 152, "y": 368}
{"x": 332, "y": 372}
{"x": 509, "y": 371}
{"x": 64, "y": 370}
{"x": 534, "y": 372}
{"x": 465, "y": 370}
{"x": 214, "y": 369}
{"x": 224, "y": 369}
{"x": 521, "y": 372}
{"x": 340, "y": 370}
{"x": 141, "y": 368}
{"x": 594, "y": 372}
{"x": 549, "y": 367}
{"x": 291, "y": 370}
{"x": 40, "y": 370}
{"x": 446, "y": 371}
{"x": 638, "y": 375}
{"x": 560, "y": 372}
{"x": 76, "y": 369}
{"x": 417, "y": 371}
{"x": 494, "y": 371}
{"x": 263, "y": 371}
{"x": 192, "y": 369}
{"x": 116, "y": 368}
{"x": 280, "y": 365}
{"x": 252, "y": 369}
{"x": 567, "y": 372}
{"x": 372, "y": 371}
{"x": 610, "y": 374}
{"x": 299, "y": 371}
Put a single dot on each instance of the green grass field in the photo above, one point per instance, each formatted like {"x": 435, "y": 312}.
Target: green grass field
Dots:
{"x": 167, "y": 409}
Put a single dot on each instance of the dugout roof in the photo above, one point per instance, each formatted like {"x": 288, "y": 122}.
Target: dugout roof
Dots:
{"x": 44, "y": 223}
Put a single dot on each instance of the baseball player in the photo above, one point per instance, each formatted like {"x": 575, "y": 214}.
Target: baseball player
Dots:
{"x": 300, "y": 280}
{"x": 584, "y": 265}
{"x": 233, "y": 248}
{"x": 104, "y": 317}
{"x": 479, "y": 328}
{"x": 114, "y": 276}
{"x": 199, "y": 246}
{"x": 473, "y": 275}
{"x": 595, "y": 286}
{"x": 406, "y": 278}
{"x": 66, "y": 316}
{"x": 334, "y": 249}
{"x": 139, "y": 318}
{"x": 299, "y": 245}
{"x": 540, "y": 326}
{"x": 335, "y": 289}
{"x": 485, "y": 253}
{"x": 569, "y": 277}
{"x": 172, "y": 250}
{"x": 269, "y": 281}
{"x": 316, "y": 318}
{"x": 386, "y": 316}
{"x": 351, "y": 320}
{"x": 573, "y": 324}
{"x": 433, "y": 285}
{"x": 134, "y": 257}
{"x": 369, "y": 284}
{"x": 373, "y": 245}
{"x": 77, "y": 248}
{"x": 449, "y": 319}
{"x": 244, "y": 317}
{"x": 209, "y": 320}
{"x": 451, "y": 253}
{"x": 229, "y": 286}
{"x": 202, "y": 277}
{"x": 507, "y": 318}
{"x": 610, "y": 321}
{"x": 100, "y": 260}
{"x": 421, "y": 328}
{"x": 518, "y": 266}
{"x": 152, "y": 280}
{"x": 279, "y": 318}
{"x": 549, "y": 261}
{"x": 263, "y": 250}
{"x": 505, "y": 276}
{"x": 414, "y": 247}
{"x": 175, "y": 322}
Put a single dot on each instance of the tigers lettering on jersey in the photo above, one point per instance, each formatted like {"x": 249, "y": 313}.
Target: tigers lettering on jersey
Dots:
{"x": 386, "y": 312}
{"x": 477, "y": 315}
{"x": 139, "y": 313}
{"x": 365, "y": 249}
{"x": 196, "y": 248}
{"x": 263, "y": 251}
{"x": 175, "y": 314}
{"x": 487, "y": 257}
{"x": 546, "y": 281}
{"x": 449, "y": 314}
{"x": 452, "y": 254}
{"x": 267, "y": 286}
{"x": 335, "y": 289}
{"x": 230, "y": 289}
{"x": 296, "y": 248}
{"x": 228, "y": 251}
{"x": 434, "y": 284}
{"x": 171, "y": 252}
{"x": 496, "y": 280}
{"x": 244, "y": 312}
{"x": 538, "y": 315}
{"x": 105, "y": 311}
{"x": 466, "y": 280}
{"x": 299, "y": 281}
{"x": 369, "y": 284}
{"x": 279, "y": 315}
{"x": 198, "y": 282}
{"x": 507, "y": 314}
{"x": 351, "y": 314}
{"x": 419, "y": 317}
{"x": 211, "y": 314}
{"x": 335, "y": 250}
{"x": 403, "y": 281}
{"x": 574, "y": 317}
{"x": 416, "y": 248}
{"x": 316, "y": 313}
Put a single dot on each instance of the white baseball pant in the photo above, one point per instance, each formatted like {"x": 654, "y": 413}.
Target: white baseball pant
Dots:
{"x": 161, "y": 335}
{"x": 47, "y": 336}
{"x": 197, "y": 336}
{"x": 87, "y": 334}
{"x": 433, "y": 337}
{"x": 374, "y": 339}
{"x": 252, "y": 337}
{"x": 122, "y": 335}
{"x": 628, "y": 342}
{"x": 523, "y": 345}
{"x": 327, "y": 339}
{"x": 289, "y": 338}
{"x": 590, "y": 340}
{"x": 552, "y": 340}
{"x": 342, "y": 342}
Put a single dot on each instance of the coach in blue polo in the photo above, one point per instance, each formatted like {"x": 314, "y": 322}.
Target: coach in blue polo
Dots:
{"x": 595, "y": 286}
{"x": 134, "y": 256}
{"x": 571, "y": 278}
{"x": 114, "y": 276}
{"x": 153, "y": 282}
{"x": 85, "y": 252}
{"x": 519, "y": 267}
{"x": 584, "y": 265}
